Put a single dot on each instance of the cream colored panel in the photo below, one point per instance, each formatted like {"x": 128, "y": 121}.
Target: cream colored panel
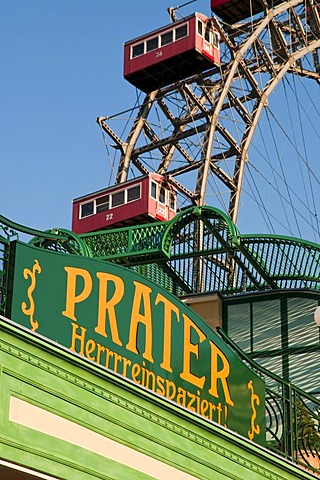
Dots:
{"x": 46, "y": 422}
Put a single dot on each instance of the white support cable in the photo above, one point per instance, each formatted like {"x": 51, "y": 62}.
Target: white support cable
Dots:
{"x": 250, "y": 74}
{"x": 266, "y": 92}
{"x": 296, "y": 149}
{"x": 274, "y": 216}
{"x": 269, "y": 163}
{"x": 278, "y": 191}
{"x": 300, "y": 166}
{"x": 283, "y": 176}
{"x": 313, "y": 174}
{"x": 261, "y": 204}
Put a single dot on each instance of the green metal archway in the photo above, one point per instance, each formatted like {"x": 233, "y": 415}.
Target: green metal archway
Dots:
{"x": 200, "y": 250}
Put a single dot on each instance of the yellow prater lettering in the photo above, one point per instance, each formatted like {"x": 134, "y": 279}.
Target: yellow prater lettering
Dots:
{"x": 141, "y": 314}
{"x": 71, "y": 297}
{"x": 160, "y": 386}
{"x": 219, "y": 375}
{"x": 169, "y": 308}
{"x": 90, "y": 348}
{"x": 191, "y": 402}
{"x": 171, "y": 389}
{"x": 135, "y": 372}
{"x": 107, "y": 307}
{"x": 202, "y": 367}
{"x": 81, "y": 337}
{"x": 181, "y": 397}
{"x": 189, "y": 349}
{"x": 142, "y": 375}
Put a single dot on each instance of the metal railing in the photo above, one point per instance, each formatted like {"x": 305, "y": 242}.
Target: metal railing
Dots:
{"x": 292, "y": 416}
{"x": 6, "y": 234}
{"x": 200, "y": 249}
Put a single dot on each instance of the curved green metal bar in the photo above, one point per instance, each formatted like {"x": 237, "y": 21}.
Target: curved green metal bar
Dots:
{"x": 286, "y": 402}
{"x": 288, "y": 262}
{"x": 64, "y": 241}
{"x": 68, "y": 241}
{"x": 153, "y": 240}
{"x": 29, "y": 231}
{"x": 244, "y": 262}
{"x": 238, "y": 262}
{"x": 193, "y": 213}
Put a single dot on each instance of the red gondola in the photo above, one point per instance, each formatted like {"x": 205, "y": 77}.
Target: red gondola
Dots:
{"x": 232, "y": 11}
{"x": 172, "y": 53}
{"x": 144, "y": 199}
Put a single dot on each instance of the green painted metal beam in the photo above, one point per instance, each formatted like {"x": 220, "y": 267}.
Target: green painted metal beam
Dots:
{"x": 244, "y": 262}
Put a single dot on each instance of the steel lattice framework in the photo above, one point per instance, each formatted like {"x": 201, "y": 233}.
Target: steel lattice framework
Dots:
{"x": 200, "y": 250}
{"x": 203, "y": 126}
{"x": 261, "y": 263}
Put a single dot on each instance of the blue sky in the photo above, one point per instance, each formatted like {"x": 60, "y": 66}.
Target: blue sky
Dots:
{"x": 62, "y": 63}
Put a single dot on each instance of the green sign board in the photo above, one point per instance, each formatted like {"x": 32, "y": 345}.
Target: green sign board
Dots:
{"x": 128, "y": 325}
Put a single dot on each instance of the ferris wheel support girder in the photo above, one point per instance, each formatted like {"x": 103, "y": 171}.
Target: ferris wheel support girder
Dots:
{"x": 239, "y": 106}
{"x": 134, "y": 135}
{"x": 182, "y": 189}
{"x": 180, "y": 129}
{"x": 195, "y": 131}
{"x": 240, "y": 163}
{"x": 305, "y": 73}
{"x": 314, "y": 17}
{"x": 139, "y": 165}
{"x": 105, "y": 127}
{"x": 172, "y": 139}
{"x": 210, "y": 133}
{"x": 298, "y": 30}
{"x": 200, "y": 190}
{"x": 166, "y": 160}
{"x": 153, "y": 137}
{"x": 195, "y": 100}
{"x": 193, "y": 118}
{"x": 278, "y": 42}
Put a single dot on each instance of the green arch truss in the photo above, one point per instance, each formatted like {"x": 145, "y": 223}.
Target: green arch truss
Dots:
{"x": 200, "y": 250}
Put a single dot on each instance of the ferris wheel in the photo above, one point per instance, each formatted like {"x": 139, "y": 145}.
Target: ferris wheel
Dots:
{"x": 233, "y": 123}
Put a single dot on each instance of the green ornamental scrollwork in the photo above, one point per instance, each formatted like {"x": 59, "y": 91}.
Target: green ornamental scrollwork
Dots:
{"x": 255, "y": 429}
{"x": 29, "y": 310}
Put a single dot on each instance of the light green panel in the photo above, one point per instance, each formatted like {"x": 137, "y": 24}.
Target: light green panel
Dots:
{"x": 72, "y": 388}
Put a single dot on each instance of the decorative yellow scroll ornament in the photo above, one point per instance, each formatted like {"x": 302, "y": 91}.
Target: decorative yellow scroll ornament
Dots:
{"x": 255, "y": 429}
{"x": 30, "y": 311}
